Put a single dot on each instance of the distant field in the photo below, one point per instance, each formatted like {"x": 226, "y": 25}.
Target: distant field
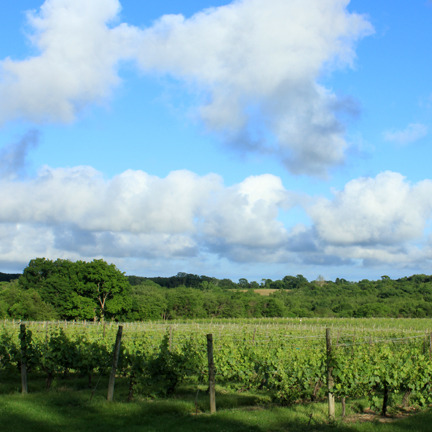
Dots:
{"x": 260, "y": 291}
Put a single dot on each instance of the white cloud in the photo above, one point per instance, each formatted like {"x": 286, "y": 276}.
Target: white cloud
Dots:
{"x": 246, "y": 214}
{"x": 402, "y": 256}
{"x": 251, "y": 56}
{"x": 76, "y": 212}
{"x": 79, "y": 53}
{"x": 372, "y": 212}
{"x": 412, "y": 133}
{"x": 264, "y": 55}
{"x": 132, "y": 201}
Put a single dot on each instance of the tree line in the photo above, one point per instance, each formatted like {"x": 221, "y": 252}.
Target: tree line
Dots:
{"x": 96, "y": 290}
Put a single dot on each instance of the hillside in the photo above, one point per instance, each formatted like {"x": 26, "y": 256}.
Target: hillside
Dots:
{"x": 7, "y": 277}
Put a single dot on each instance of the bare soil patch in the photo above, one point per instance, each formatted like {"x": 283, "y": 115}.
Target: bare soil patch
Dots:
{"x": 371, "y": 416}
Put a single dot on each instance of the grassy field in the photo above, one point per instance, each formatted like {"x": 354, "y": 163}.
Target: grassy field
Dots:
{"x": 70, "y": 411}
{"x": 261, "y": 291}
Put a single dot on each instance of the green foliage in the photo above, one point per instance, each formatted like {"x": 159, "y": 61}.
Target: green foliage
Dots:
{"x": 273, "y": 307}
{"x": 108, "y": 287}
{"x": 286, "y": 359}
{"x": 148, "y": 303}
{"x": 24, "y": 304}
{"x": 91, "y": 356}
{"x": 295, "y": 296}
{"x": 75, "y": 290}
{"x": 165, "y": 370}
{"x": 10, "y": 351}
{"x": 97, "y": 291}
{"x": 185, "y": 303}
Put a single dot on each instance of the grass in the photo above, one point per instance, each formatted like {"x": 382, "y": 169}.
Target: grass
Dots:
{"x": 70, "y": 407}
{"x": 55, "y": 411}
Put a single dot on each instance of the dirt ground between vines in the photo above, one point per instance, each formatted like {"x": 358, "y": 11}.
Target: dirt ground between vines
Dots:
{"x": 371, "y": 416}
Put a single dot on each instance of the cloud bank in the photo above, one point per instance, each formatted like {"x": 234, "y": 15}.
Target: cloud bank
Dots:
{"x": 76, "y": 213}
{"x": 255, "y": 66}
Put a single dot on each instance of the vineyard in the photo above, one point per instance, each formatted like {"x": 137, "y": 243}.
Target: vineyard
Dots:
{"x": 288, "y": 359}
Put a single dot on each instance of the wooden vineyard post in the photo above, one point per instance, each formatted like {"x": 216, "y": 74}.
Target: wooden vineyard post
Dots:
{"x": 23, "y": 339}
{"x": 116, "y": 354}
{"x": 430, "y": 346}
{"x": 330, "y": 381}
{"x": 211, "y": 371}
{"x": 170, "y": 339}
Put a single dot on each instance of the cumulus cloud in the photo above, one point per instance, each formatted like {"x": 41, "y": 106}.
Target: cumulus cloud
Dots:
{"x": 133, "y": 201}
{"x": 370, "y": 214}
{"x": 257, "y": 64}
{"x": 79, "y": 213}
{"x": 77, "y": 62}
{"x": 412, "y": 133}
{"x": 76, "y": 213}
{"x": 246, "y": 214}
{"x": 264, "y": 57}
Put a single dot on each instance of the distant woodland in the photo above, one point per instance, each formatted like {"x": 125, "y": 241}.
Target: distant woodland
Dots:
{"x": 96, "y": 290}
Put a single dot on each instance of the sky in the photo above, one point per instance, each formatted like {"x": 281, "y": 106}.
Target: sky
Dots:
{"x": 235, "y": 139}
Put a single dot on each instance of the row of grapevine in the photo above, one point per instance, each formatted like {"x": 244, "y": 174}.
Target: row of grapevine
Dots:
{"x": 290, "y": 365}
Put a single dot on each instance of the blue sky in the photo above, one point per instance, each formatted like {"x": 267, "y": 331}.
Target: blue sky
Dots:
{"x": 254, "y": 138}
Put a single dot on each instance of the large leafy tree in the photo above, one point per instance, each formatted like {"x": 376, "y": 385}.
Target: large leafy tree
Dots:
{"x": 79, "y": 290}
{"x": 55, "y": 282}
{"x": 109, "y": 287}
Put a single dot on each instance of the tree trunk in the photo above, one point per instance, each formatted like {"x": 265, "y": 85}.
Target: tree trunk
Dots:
{"x": 49, "y": 380}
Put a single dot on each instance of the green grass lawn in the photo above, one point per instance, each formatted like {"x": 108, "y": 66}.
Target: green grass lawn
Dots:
{"x": 56, "y": 411}
{"x": 70, "y": 407}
